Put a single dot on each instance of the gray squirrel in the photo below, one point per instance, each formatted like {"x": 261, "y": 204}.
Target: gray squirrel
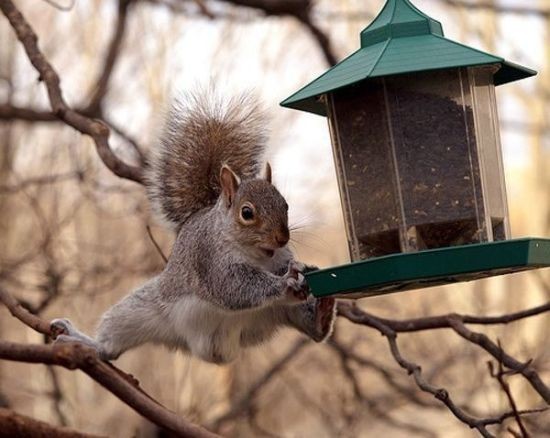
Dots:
{"x": 231, "y": 281}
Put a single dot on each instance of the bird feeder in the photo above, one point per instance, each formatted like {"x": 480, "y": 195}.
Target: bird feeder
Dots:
{"x": 416, "y": 144}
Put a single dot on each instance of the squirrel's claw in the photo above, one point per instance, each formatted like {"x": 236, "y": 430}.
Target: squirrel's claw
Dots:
{"x": 61, "y": 326}
{"x": 63, "y": 331}
{"x": 296, "y": 286}
{"x": 297, "y": 266}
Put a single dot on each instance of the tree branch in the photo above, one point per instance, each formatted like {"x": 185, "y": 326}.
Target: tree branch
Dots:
{"x": 12, "y": 112}
{"x": 92, "y": 127}
{"x": 321, "y": 37}
{"x": 492, "y": 6}
{"x": 525, "y": 369}
{"x": 102, "y": 83}
{"x": 76, "y": 356}
{"x": 499, "y": 374}
{"x": 437, "y": 322}
{"x": 299, "y": 9}
{"x": 388, "y": 377}
{"x": 457, "y": 323}
{"x": 390, "y": 328}
{"x": 23, "y": 315}
{"x": 13, "y": 424}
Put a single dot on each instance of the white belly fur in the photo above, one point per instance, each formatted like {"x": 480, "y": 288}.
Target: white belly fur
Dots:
{"x": 205, "y": 330}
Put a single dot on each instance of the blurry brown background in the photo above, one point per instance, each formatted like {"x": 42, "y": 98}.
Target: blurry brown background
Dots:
{"x": 73, "y": 236}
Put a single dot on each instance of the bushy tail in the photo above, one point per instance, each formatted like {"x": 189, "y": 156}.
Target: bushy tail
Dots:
{"x": 202, "y": 133}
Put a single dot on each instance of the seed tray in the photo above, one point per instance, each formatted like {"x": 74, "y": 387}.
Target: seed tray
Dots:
{"x": 400, "y": 272}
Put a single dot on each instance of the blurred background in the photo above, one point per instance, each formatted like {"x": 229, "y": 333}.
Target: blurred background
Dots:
{"x": 73, "y": 237}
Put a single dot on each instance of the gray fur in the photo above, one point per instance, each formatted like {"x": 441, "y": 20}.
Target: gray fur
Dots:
{"x": 229, "y": 283}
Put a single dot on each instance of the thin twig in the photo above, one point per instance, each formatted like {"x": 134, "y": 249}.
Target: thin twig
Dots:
{"x": 243, "y": 404}
{"x": 383, "y": 372}
{"x": 501, "y": 9}
{"x": 60, "y": 7}
{"x": 102, "y": 84}
{"x": 57, "y": 395}
{"x": 301, "y": 10}
{"x": 525, "y": 369}
{"x": 156, "y": 245}
{"x": 499, "y": 374}
{"x": 40, "y": 180}
{"x": 379, "y": 413}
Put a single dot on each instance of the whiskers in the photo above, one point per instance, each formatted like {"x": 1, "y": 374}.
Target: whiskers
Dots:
{"x": 298, "y": 224}
{"x": 302, "y": 239}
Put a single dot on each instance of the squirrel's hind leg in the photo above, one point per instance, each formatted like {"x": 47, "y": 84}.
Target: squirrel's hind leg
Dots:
{"x": 314, "y": 318}
{"x": 134, "y": 321}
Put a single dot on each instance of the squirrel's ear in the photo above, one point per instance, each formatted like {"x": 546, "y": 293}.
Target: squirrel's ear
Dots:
{"x": 229, "y": 182}
{"x": 268, "y": 172}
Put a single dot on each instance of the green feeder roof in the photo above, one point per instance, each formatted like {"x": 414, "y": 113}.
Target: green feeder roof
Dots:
{"x": 401, "y": 39}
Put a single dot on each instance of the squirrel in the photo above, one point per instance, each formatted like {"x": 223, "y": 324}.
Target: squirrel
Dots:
{"x": 231, "y": 281}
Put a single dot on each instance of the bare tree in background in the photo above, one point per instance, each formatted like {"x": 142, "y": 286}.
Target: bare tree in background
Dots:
{"x": 375, "y": 371}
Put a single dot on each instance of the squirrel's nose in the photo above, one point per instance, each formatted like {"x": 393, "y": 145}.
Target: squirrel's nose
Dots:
{"x": 282, "y": 237}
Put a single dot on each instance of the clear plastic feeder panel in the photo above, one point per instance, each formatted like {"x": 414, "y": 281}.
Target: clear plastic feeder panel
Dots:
{"x": 410, "y": 172}
{"x": 488, "y": 135}
{"x": 433, "y": 131}
{"x": 365, "y": 166}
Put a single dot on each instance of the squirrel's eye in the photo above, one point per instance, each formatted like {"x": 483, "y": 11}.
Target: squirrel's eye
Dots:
{"x": 247, "y": 213}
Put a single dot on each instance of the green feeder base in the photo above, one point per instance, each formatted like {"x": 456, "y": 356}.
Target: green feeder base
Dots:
{"x": 399, "y": 272}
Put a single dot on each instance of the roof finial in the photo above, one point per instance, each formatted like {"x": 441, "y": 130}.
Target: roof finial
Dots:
{"x": 399, "y": 18}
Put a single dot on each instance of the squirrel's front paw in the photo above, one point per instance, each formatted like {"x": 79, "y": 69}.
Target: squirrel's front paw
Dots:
{"x": 296, "y": 289}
